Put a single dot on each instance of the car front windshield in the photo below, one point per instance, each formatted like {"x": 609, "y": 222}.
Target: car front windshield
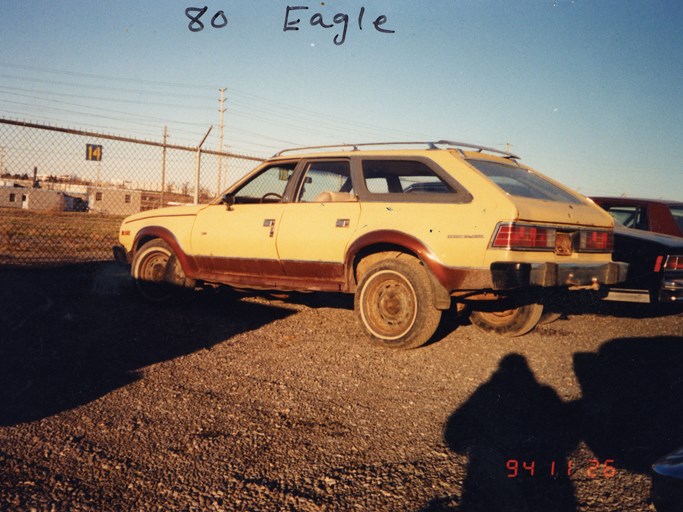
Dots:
{"x": 677, "y": 212}
{"x": 521, "y": 182}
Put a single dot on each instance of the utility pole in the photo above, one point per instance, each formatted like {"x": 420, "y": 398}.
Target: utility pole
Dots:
{"x": 221, "y": 101}
{"x": 198, "y": 163}
{"x": 163, "y": 168}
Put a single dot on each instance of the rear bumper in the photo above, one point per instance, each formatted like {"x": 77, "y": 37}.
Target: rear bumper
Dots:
{"x": 507, "y": 275}
{"x": 668, "y": 290}
{"x": 671, "y": 290}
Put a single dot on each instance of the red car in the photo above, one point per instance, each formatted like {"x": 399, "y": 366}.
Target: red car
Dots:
{"x": 655, "y": 215}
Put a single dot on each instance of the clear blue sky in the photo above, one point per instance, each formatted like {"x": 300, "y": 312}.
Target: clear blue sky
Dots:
{"x": 589, "y": 92}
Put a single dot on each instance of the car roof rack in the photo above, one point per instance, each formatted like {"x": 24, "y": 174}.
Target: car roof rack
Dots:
{"x": 429, "y": 144}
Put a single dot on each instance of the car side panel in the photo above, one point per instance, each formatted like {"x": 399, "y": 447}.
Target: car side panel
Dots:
{"x": 457, "y": 234}
{"x": 177, "y": 222}
{"x": 661, "y": 220}
{"x": 312, "y": 238}
{"x": 240, "y": 240}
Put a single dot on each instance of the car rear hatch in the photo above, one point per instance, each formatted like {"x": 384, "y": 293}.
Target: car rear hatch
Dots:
{"x": 537, "y": 198}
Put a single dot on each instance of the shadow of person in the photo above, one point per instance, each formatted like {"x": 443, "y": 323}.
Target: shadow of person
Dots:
{"x": 517, "y": 434}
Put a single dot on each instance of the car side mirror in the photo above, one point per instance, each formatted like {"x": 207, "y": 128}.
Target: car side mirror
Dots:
{"x": 228, "y": 200}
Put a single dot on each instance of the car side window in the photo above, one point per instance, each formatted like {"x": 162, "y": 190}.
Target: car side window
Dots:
{"x": 677, "y": 213}
{"x": 402, "y": 177}
{"x": 268, "y": 186}
{"x": 326, "y": 181}
{"x": 631, "y": 216}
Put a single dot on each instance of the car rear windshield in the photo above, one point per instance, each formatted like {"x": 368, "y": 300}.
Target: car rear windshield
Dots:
{"x": 520, "y": 182}
{"x": 677, "y": 212}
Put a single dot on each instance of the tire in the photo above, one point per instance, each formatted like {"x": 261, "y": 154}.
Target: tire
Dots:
{"x": 157, "y": 273}
{"x": 549, "y": 317}
{"x": 511, "y": 322}
{"x": 394, "y": 303}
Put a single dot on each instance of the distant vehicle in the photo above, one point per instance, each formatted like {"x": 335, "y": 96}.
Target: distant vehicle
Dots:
{"x": 655, "y": 272}
{"x": 80, "y": 205}
{"x": 409, "y": 229}
{"x": 667, "y": 482}
{"x": 645, "y": 214}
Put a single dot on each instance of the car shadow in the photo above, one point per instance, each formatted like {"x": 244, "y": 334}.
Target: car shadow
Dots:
{"x": 314, "y": 300}
{"x": 632, "y": 405}
{"x": 630, "y": 414}
{"x": 587, "y": 302}
{"x": 72, "y": 334}
{"x": 451, "y": 319}
{"x": 636, "y": 310}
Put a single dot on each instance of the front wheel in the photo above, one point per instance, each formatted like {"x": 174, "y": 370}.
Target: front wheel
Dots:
{"x": 394, "y": 303}
{"x": 510, "y": 322}
{"x": 157, "y": 272}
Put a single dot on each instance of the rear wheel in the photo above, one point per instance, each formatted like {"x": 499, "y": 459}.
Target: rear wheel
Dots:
{"x": 157, "y": 272}
{"x": 394, "y": 303}
{"x": 510, "y": 322}
{"x": 549, "y": 317}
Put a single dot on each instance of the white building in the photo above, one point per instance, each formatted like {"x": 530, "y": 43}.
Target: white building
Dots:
{"x": 32, "y": 199}
{"x": 114, "y": 201}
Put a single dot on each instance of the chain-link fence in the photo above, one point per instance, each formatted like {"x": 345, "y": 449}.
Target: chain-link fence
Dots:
{"x": 63, "y": 192}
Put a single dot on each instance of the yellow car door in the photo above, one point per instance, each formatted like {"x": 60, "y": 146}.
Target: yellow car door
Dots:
{"x": 238, "y": 236}
{"x": 240, "y": 240}
{"x": 316, "y": 227}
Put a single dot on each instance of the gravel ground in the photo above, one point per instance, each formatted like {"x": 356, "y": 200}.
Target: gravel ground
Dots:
{"x": 229, "y": 402}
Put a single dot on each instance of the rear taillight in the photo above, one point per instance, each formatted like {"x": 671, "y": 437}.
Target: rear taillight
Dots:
{"x": 518, "y": 236}
{"x": 674, "y": 263}
{"x": 596, "y": 240}
{"x": 511, "y": 235}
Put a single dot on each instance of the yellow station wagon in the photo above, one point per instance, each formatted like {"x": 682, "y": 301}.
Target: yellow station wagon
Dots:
{"x": 409, "y": 228}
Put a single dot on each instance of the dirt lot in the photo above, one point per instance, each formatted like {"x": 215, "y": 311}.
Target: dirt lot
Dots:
{"x": 252, "y": 403}
{"x": 30, "y": 237}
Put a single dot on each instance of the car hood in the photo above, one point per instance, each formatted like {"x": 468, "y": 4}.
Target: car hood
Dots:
{"x": 552, "y": 212}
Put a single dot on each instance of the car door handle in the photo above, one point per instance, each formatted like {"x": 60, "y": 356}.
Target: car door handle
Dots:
{"x": 270, "y": 223}
{"x": 343, "y": 223}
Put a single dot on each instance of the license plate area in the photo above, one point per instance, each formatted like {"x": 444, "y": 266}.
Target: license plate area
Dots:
{"x": 563, "y": 244}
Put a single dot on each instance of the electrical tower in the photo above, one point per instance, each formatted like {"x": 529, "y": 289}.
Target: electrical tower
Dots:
{"x": 221, "y": 110}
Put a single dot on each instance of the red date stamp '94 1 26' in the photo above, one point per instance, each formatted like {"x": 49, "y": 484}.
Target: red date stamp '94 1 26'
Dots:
{"x": 596, "y": 468}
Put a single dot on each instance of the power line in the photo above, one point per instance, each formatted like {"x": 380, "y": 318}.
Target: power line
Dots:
{"x": 101, "y": 109}
{"x": 99, "y": 98}
{"x": 104, "y": 77}
{"x": 93, "y": 86}
{"x": 287, "y": 109}
{"x": 246, "y": 105}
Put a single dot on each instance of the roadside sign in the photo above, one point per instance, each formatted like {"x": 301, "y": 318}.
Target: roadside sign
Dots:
{"x": 93, "y": 152}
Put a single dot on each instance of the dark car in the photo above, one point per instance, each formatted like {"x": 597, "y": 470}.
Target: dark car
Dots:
{"x": 645, "y": 214}
{"x": 667, "y": 482}
{"x": 655, "y": 273}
